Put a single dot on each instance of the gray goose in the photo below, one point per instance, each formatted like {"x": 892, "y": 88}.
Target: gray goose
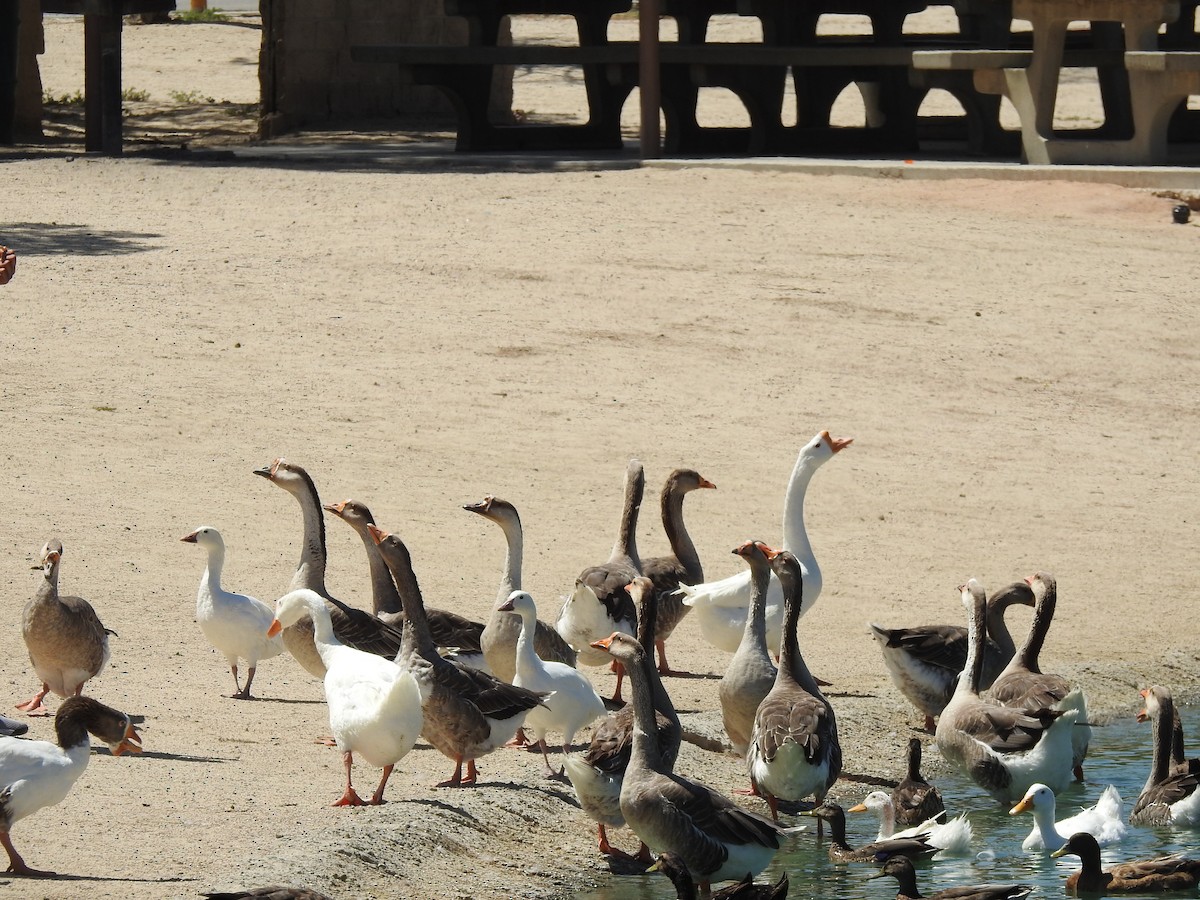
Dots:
{"x": 683, "y": 563}
{"x": 914, "y": 799}
{"x": 468, "y": 713}
{"x": 600, "y": 603}
{"x": 751, "y": 673}
{"x": 597, "y": 773}
{"x": 498, "y": 639}
{"x": 924, "y": 661}
{"x": 67, "y": 643}
{"x": 1171, "y": 795}
{"x": 353, "y": 627}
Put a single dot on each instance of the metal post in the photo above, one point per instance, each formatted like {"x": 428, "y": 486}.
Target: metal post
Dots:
{"x": 649, "y": 78}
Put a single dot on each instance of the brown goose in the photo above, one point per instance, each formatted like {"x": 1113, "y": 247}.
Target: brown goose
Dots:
{"x": 794, "y": 751}
{"x": 1138, "y": 876}
{"x": 1172, "y": 792}
{"x": 914, "y": 799}
{"x": 499, "y": 636}
{"x": 1022, "y": 683}
{"x": 751, "y": 673}
{"x": 67, "y": 642}
{"x": 840, "y": 851}
{"x": 681, "y": 566}
{"x": 449, "y": 630}
{"x": 468, "y": 713}
{"x": 600, "y": 603}
{"x": 597, "y": 774}
{"x": 901, "y": 868}
{"x": 353, "y": 627}
{"x": 746, "y": 889}
{"x": 924, "y": 661}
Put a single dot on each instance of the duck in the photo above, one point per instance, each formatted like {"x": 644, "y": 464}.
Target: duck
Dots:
{"x": 374, "y": 706}
{"x": 1103, "y": 821}
{"x": 901, "y": 868}
{"x": 457, "y": 634}
{"x": 353, "y": 627}
{"x": 268, "y": 892}
{"x": 840, "y": 851}
{"x": 597, "y": 774}
{"x": 924, "y": 661}
{"x": 1138, "y": 876}
{"x": 751, "y": 673}
{"x": 1171, "y": 795}
{"x": 498, "y": 640}
{"x": 37, "y": 774}
{"x": 468, "y": 713}
{"x": 67, "y": 642}
{"x": 915, "y": 800}
{"x": 1022, "y": 683}
{"x": 716, "y": 839}
{"x": 571, "y": 703}
{"x": 794, "y": 749}
{"x": 722, "y": 606}
{"x": 952, "y": 838}
{"x": 600, "y": 602}
{"x": 235, "y": 624}
{"x": 1002, "y": 749}
{"x": 747, "y": 889}
{"x": 682, "y": 565}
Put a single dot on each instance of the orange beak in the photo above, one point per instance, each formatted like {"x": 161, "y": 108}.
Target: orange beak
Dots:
{"x": 131, "y": 743}
{"x": 377, "y": 534}
{"x": 1025, "y": 804}
{"x": 837, "y": 445}
{"x": 335, "y": 508}
{"x": 705, "y": 483}
{"x": 274, "y": 628}
{"x": 768, "y": 552}
{"x": 858, "y": 808}
{"x": 603, "y": 643}
{"x": 190, "y": 538}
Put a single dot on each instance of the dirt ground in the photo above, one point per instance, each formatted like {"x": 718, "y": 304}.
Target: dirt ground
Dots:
{"x": 1017, "y": 363}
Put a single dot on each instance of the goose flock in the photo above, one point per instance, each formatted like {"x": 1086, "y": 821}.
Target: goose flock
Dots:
{"x": 402, "y": 673}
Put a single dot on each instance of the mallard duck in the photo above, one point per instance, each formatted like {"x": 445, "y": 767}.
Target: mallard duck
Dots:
{"x": 683, "y": 563}
{"x": 67, "y": 643}
{"x": 794, "y": 750}
{"x": 751, "y": 673}
{"x": 1138, "y": 876}
{"x": 716, "y": 839}
{"x": 901, "y": 868}
{"x": 598, "y": 773}
{"x": 1172, "y": 792}
{"x": 746, "y": 889}
{"x": 468, "y": 713}
{"x": 1103, "y": 821}
{"x": 1003, "y": 749}
{"x": 914, "y": 800}
{"x": 722, "y": 606}
{"x": 876, "y": 851}
{"x": 37, "y": 774}
{"x": 235, "y": 624}
{"x": 952, "y": 838}
{"x": 924, "y": 661}
{"x": 374, "y": 706}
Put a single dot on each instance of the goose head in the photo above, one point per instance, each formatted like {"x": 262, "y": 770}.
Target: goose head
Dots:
{"x": 1038, "y": 798}
{"x": 109, "y": 725}
{"x": 289, "y": 476}
{"x": 639, "y": 589}
{"x": 1152, "y": 697}
{"x": 823, "y": 447}
{"x": 1042, "y": 583}
{"x": 519, "y": 602}
{"x": 754, "y": 551}
{"x": 353, "y": 513}
{"x": 683, "y": 481}
{"x": 972, "y": 592}
{"x": 495, "y": 509}
{"x": 49, "y": 558}
{"x": 205, "y": 536}
{"x": 294, "y": 606}
{"x": 621, "y": 647}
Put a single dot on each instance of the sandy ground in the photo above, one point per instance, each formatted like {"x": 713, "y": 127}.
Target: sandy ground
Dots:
{"x": 1016, "y": 362}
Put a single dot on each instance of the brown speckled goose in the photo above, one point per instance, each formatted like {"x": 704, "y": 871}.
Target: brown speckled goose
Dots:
{"x": 468, "y": 713}
{"x": 353, "y": 627}
{"x": 914, "y": 799}
{"x": 1138, "y": 876}
{"x": 67, "y": 643}
{"x": 681, "y": 566}
{"x": 751, "y": 673}
{"x": 499, "y": 636}
{"x": 1172, "y": 792}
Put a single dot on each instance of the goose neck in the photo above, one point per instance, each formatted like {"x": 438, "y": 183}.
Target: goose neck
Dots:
{"x": 914, "y": 761}
{"x": 677, "y": 534}
{"x": 1043, "y": 615}
{"x": 514, "y": 540}
{"x": 626, "y": 543}
{"x": 795, "y": 535}
{"x": 384, "y": 596}
{"x": 399, "y": 563}
{"x": 755, "y": 629}
{"x": 310, "y": 571}
{"x": 972, "y": 674}
{"x": 1161, "y": 736}
{"x": 645, "y": 752}
{"x": 212, "y": 572}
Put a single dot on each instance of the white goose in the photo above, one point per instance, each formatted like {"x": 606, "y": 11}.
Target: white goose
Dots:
{"x": 374, "y": 706}
{"x": 233, "y": 623}
{"x": 1103, "y": 821}
{"x": 722, "y": 606}
{"x": 953, "y": 837}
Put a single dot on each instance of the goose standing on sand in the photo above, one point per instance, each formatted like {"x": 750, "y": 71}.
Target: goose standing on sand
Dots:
{"x": 571, "y": 702}
{"x": 794, "y": 750}
{"x": 682, "y": 566}
{"x": 901, "y": 868}
{"x": 952, "y": 838}
{"x": 924, "y": 661}
{"x": 1138, "y": 876}
{"x": 600, "y": 603}
{"x": 722, "y": 606}
{"x": 233, "y": 623}
{"x": 37, "y": 774}
{"x": 1103, "y": 821}
{"x": 468, "y": 713}
{"x": 1172, "y": 792}
{"x": 450, "y": 630}
{"x": 67, "y": 643}
{"x": 374, "y": 706}
{"x": 598, "y": 773}
{"x": 1002, "y": 749}
{"x": 915, "y": 800}
{"x": 716, "y": 839}
{"x": 751, "y": 673}
{"x": 499, "y": 637}
{"x": 1022, "y": 683}
{"x": 353, "y": 627}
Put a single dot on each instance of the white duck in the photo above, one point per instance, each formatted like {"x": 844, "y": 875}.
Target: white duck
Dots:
{"x": 571, "y": 702}
{"x": 1103, "y": 821}
{"x": 722, "y": 606}
{"x": 953, "y": 837}
{"x": 374, "y": 706}
{"x": 36, "y": 774}
{"x": 233, "y": 623}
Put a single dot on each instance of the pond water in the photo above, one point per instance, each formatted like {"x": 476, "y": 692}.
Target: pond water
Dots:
{"x": 1119, "y": 754}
